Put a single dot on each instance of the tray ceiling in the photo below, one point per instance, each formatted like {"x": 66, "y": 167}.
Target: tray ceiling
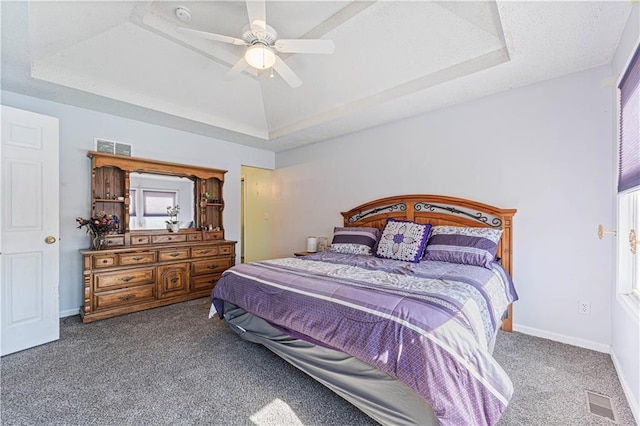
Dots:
{"x": 392, "y": 60}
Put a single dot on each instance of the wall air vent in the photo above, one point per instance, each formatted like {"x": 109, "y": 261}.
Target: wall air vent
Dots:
{"x": 112, "y": 147}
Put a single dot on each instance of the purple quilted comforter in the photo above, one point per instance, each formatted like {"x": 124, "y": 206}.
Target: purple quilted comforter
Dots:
{"x": 428, "y": 324}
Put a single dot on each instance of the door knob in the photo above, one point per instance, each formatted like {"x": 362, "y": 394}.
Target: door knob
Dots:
{"x": 50, "y": 239}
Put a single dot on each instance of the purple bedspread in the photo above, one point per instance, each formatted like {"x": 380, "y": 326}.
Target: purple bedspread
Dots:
{"x": 428, "y": 324}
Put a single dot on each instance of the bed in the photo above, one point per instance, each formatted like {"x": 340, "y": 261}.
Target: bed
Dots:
{"x": 404, "y": 330}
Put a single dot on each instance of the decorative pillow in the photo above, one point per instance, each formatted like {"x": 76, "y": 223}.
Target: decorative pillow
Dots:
{"x": 467, "y": 245}
{"x": 355, "y": 240}
{"x": 403, "y": 240}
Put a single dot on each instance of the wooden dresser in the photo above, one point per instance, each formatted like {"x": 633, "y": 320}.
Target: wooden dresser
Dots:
{"x": 123, "y": 280}
{"x": 148, "y": 267}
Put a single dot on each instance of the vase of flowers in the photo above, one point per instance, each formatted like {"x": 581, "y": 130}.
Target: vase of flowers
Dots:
{"x": 98, "y": 227}
{"x": 173, "y": 224}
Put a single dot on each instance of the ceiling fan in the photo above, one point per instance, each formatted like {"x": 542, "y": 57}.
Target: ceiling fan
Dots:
{"x": 263, "y": 44}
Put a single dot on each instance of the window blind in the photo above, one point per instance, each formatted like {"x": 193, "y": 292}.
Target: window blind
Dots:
{"x": 156, "y": 202}
{"x": 629, "y": 148}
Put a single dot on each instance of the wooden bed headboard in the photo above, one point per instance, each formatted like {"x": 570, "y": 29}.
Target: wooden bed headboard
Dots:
{"x": 440, "y": 210}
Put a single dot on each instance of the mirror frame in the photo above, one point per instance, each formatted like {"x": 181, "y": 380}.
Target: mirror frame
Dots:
{"x": 200, "y": 175}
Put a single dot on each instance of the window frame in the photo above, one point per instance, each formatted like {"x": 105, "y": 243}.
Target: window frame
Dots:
{"x": 628, "y": 214}
{"x": 628, "y": 263}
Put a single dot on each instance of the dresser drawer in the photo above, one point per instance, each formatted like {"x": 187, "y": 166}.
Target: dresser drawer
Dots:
{"x": 194, "y": 237}
{"x": 140, "y": 240}
{"x": 213, "y": 235}
{"x": 204, "y": 282}
{"x": 124, "y": 297}
{"x": 137, "y": 258}
{"x": 210, "y": 266}
{"x": 176, "y": 254}
{"x": 114, "y": 240}
{"x": 226, "y": 249}
{"x": 175, "y": 238}
{"x": 110, "y": 280}
{"x": 204, "y": 251}
{"x": 104, "y": 261}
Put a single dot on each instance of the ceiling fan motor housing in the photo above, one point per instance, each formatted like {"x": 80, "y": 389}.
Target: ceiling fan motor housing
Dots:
{"x": 267, "y": 38}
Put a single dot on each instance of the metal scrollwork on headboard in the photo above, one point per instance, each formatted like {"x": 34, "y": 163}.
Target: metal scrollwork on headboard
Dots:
{"x": 386, "y": 209}
{"x": 496, "y": 222}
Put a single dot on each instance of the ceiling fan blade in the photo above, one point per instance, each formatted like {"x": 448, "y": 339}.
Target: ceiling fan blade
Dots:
{"x": 287, "y": 73}
{"x": 302, "y": 45}
{"x": 212, "y": 36}
{"x": 257, "y": 12}
{"x": 240, "y": 66}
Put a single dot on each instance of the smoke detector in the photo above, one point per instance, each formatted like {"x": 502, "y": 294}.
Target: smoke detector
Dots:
{"x": 183, "y": 13}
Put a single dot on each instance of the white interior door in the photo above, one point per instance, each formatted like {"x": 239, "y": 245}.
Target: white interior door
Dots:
{"x": 29, "y": 217}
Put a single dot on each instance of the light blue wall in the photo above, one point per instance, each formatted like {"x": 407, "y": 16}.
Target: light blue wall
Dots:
{"x": 78, "y": 127}
{"x": 543, "y": 149}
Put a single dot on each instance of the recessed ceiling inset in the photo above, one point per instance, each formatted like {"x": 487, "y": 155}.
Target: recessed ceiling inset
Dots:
{"x": 391, "y": 60}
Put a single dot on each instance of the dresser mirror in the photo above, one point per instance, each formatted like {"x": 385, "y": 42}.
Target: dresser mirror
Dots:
{"x": 149, "y": 196}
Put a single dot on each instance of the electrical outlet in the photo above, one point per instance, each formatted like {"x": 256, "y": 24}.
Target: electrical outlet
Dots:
{"x": 584, "y": 308}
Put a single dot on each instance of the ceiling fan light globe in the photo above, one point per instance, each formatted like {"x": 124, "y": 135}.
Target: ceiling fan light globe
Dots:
{"x": 260, "y": 57}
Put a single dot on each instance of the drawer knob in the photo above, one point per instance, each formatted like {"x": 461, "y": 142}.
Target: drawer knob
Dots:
{"x": 174, "y": 254}
{"x": 127, "y": 297}
{"x": 212, "y": 266}
{"x": 204, "y": 251}
{"x": 174, "y": 280}
{"x": 126, "y": 279}
{"x": 105, "y": 261}
{"x": 138, "y": 258}
{"x": 169, "y": 238}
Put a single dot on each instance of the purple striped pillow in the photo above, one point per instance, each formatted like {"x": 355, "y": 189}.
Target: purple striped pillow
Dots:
{"x": 354, "y": 240}
{"x": 467, "y": 245}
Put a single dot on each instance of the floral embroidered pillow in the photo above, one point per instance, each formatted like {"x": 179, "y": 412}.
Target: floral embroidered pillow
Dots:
{"x": 403, "y": 240}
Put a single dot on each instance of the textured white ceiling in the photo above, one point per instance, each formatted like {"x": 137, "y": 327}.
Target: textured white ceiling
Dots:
{"x": 392, "y": 60}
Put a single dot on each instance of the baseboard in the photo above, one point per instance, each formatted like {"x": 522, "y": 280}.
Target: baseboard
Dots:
{"x": 633, "y": 404}
{"x": 69, "y": 313}
{"x": 569, "y": 340}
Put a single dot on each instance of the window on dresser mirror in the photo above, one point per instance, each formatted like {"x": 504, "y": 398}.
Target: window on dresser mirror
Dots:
{"x": 149, "y": 196}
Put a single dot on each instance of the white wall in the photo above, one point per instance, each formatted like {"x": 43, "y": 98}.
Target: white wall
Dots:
{"x": 79, "y": 126}
{"x": 625, "y": 337}
{"x": 544, "y": 149}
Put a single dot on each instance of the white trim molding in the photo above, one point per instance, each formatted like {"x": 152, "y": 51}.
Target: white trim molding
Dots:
{"x": 633, "y": 404}
{"x": 69, "y": 313}
{"x": 569, "y": 340}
